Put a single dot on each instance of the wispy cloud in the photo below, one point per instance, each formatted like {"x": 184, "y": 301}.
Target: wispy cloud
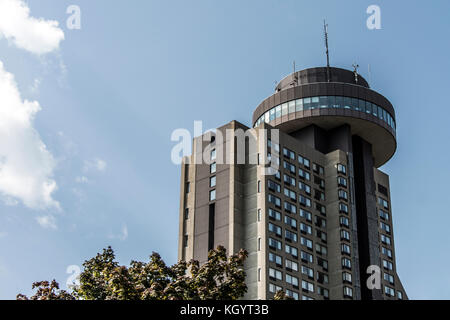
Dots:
{"x": 26, "y": 166}
{"x": 3, "y": 234}
{"x": 122, "y": 236}
{"x": 47, "y": 222}
{"x": 96, "y": 164}
{"x": 38, "y": 36}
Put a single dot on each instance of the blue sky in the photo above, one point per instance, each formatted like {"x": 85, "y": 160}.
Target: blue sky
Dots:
{"x": 112, "y": 93}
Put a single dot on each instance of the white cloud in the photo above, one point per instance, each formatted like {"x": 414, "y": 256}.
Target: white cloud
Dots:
{"x": 34, "y": 88}
{"x": 26, "y": 166}
{"x": 38, "y": 36}
{"x": 122, "y": 236}
{"x": 47, "y": 222}
{"x": 97, "y": 164}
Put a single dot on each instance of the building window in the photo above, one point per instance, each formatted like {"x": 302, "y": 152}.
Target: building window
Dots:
{"x": 319, "y": 195}
{"x": 341, "y": 169}
{"x": 212, "y": 168}
{"x": 291, "y": 265}
{"x": 307, "y": 286}
{"x": 274, "y": 288}
{"x": 343, "y": 207}
{"x": 291, "y": 250}
{"x": 399, "y": 295}
{"x": 289, "y": 180}
{"x": 259, "y": 244}
{"x": 259, "y": 215}
{"x": 348, "y": 292}
{"x": 323, "y": 263}
{"x": 275, "y": 244}
{"x": 212, "y": 182}
{"x": 321, "y": 235}
{"x": 345, "y": 235}
{"x": 274, "y": 200}
{"x": 387, "y": 252}
{"x": 388, "y": 265}
{"x": 343, "y": 195}
{"x": 383, "y": 190}
{"x": 308, "y": 272}
{"x": 290, "y": 222}
{"x": 289, "y": 207}
{"x": 389, "y": 291}
{"x": 213, "y": 154}
{"x": 276, "y": 259}
{"x": 342, "y": 182}
{"x": 306, "y": 257}
{"x": 347, "y": 277}
{"x": 275, "y": 274}
{"x": 346, "y": 263}
{"x": 384, "y": 215}
{"x": 259, "y": 186}
{"x": 306, "y": 242}
{"x": 188, "y": 187}
{"x": 272, "y": 186}
{"x": 318, "y": 169}
{"x": 275, "y": 229}
{"x": 304, "y": 201}
{"x": 345, "y": 249}
{"x": 305, "y": 229}
{"x": 186, "y": 213}
{"x": 305, "y": 175}
{"x": 294, "y": 295}
{"x": 389, "y": 278}
{"x": 321, "y": 208}
{"x": 322, "y": 278}
{"x": 305, "y": 162}
{"x": 344, "y": 221}
{"x": 186, "y": 239}
{"x": 306, "y": 215}
{"x": 290, "y": 236}
{"x": 385, "y": 227}
{"x": 320, "y": 222}
{"x": 320, "y": 182}
{"x": 288, "y": 154}
{"x": 304, "y": 187}
{"x": 292, "y": 280}
{"x": 320, "y": 249}
{"x": 383, "y": 203}
{"x": 274, "y": 215}
{"x": 259, "y": 274}
{"x": 291, "y": 194}
{"x": 212, "y": 195}
{"x": 385, "y": 239}
{"x": 323, "y": 292}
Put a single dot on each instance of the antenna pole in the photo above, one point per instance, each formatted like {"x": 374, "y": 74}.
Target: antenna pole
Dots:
{"x": 325, "y": 30}
{"x": 355, "y": 71}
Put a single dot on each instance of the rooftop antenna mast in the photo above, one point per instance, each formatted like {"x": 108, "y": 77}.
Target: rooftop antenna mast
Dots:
{"x": 294, "y": 76}
{"x": 325, "y": 30}
{"x": 355, "y": 71}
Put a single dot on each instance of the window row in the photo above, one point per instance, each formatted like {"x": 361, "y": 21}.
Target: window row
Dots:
{"x": 326, "y": 102}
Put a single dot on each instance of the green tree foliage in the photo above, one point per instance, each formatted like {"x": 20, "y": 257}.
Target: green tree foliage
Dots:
{"x": 221, "y": 278}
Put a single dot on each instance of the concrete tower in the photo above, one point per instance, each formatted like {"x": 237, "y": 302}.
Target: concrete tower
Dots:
{"x": 320, "y": 220}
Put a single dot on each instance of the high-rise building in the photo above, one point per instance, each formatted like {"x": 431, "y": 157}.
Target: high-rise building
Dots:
{"x": 300, "y": 191}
